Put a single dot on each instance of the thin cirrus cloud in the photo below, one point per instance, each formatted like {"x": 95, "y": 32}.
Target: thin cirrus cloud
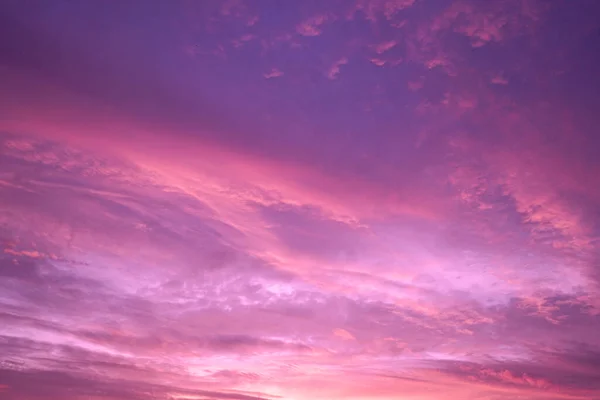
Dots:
{"x": 181, "y": 220}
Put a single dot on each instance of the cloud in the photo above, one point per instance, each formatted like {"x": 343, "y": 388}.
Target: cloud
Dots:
{"x": 378, "y": 62}
{"x": 499, "y": 80}
{"x": 40, "y": 384}
{"x": 235, "y": 296}
{"x": 274, "y": 73}
{"x": 334, "y": 70}
{"x": 387, "y": 9}
{"x": 343, "y": 334}
{"x": 312, "y": 26}
{"x": 553, "y": 379}
{"x": 173, "y": 227}
{"x": 384, "y": 46}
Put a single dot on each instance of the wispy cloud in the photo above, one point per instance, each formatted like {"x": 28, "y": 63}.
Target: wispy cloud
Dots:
{"x": 312, "y": 26}
{"x": 274, "y": 73}
{"x": 334, "y": 69}
{"x": 384, "y": 46}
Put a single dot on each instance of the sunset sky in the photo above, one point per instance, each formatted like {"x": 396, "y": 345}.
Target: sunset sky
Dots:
{"x": 299, "y": 199}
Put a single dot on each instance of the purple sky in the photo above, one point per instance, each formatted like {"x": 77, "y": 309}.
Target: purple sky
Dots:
{"x": 299, "y": 200}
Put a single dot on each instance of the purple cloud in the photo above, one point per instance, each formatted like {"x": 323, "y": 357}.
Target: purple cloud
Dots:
{"x": 409, "y": 210}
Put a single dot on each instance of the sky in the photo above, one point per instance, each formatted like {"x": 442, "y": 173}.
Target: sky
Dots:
{"x": 301, "y": 199}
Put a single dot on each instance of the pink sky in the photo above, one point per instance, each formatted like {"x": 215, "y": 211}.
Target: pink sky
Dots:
{"x": 294, "y": 200}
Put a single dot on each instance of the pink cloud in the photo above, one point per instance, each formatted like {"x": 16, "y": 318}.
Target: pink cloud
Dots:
{"x": 234, "y": 8}
{"x": 274, "y": 73}
{"x": 384, "y": 46}
{"x": 508, "y": 377}
{"x": 499, "y": 80}
{"x": 378, "y": 62}
{"x": 334, "y": 70}
{"x": 312, "y": 26}
{"x": 184, "y": 229}
{"x": 343, "y": 334}
{"x": 388, "y": 9}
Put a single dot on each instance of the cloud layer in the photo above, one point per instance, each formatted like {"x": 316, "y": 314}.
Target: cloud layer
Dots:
{"x": 348, "y": 200}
